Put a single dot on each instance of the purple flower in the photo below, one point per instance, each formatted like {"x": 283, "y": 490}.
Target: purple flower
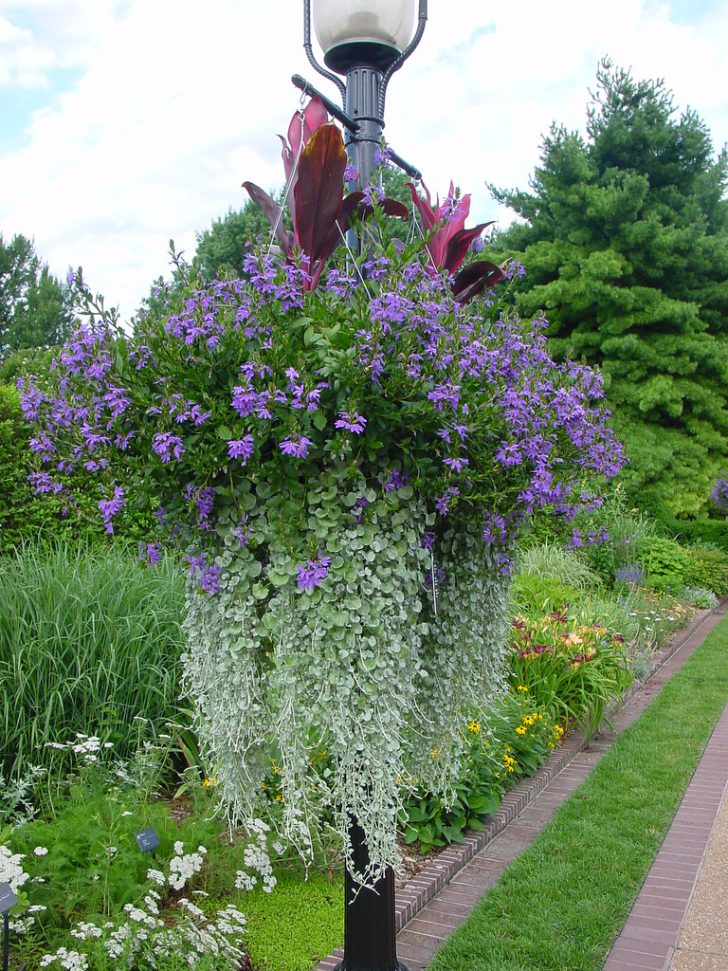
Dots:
{"x": 396, "y": 480}
{"x": 351, "y": 173}
{"x": 351, "y": 421}
{"x": 112, "y": 507}
{"x": 456, "y": 464}
{"x": 167, "y": 446}
{"x": 42, "y": 483}
{"x": 207, "y": 574}
{"x": 151, "y": 554}
{"x": 241, "y": 448}
{"x": 632, "y": 574}
{"x": 313, "y": 573}
{"x": 719, "y": 495}
{"x": 428, "y": 541}
{"x": 442, "y": 503}
{"x": 296, "y": 445}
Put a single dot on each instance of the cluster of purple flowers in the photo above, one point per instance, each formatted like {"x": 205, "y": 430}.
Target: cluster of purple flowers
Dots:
{"x": 719, "y": 495}
{"x": 632, "y": 574}
{"x": 313, "y": 573}
{"x": 248, "y": 377}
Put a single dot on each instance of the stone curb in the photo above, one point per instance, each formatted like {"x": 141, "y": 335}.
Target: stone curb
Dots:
{"x": 437, "y": 874}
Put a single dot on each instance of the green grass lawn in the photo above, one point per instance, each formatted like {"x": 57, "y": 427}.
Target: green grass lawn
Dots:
{"x": 561, "y": 904}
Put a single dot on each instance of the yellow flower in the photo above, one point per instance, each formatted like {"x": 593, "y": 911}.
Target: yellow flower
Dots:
{"x": 520, "y": 730}
{"x": 279, "y": 798}
{"x": 522, "y": 687}
{"x": 474, "y": 726}
{"x": 209, "y": 782}
{"x": 434, "y": 753}
{"x": 558, "y": 731}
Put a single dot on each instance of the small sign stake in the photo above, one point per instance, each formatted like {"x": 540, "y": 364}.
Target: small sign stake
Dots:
{"x": 148, "y": 841}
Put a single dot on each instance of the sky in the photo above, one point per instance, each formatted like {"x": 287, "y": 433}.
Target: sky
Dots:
{"x": 127, "y": 123}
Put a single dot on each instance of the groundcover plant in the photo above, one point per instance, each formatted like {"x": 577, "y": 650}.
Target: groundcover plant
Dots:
{"x": 345, "y": 451}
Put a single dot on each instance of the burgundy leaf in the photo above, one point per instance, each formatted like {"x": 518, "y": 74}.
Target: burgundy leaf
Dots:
{"x": 273, "y": 211}
{"x": 474, "y": 278}
{"x": 348, "y": 207}
{"x": 424, "y": 208}
{"x": 389, "y": 206}
{"x": 319, "y": 191}
{"x": 458, "y": 245}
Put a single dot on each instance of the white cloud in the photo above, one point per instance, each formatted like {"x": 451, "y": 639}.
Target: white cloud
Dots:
{"x": 179, "y": 102}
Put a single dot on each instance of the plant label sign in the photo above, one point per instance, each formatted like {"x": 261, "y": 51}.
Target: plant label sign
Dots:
{"x": 147, "y": 839}
{"x": 7, "y": 898}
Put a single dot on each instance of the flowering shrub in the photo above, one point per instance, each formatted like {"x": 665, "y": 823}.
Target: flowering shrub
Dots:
{"x": 574, "y": 670}
{"x": 322, "y": 455}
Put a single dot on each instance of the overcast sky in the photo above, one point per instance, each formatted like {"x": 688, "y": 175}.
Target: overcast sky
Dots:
{"x": 126, "y": 122}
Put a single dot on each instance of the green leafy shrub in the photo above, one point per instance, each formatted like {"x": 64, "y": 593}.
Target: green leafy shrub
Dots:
{"x": 534, "y": 594}
{"x": 708, "y": 568}
{"x": 88, "y": 640}
{"x": 573, "y": 670}
{"x": 666, "y": 563}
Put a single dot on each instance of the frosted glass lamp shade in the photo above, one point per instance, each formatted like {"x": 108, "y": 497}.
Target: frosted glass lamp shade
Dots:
{"x": 363, "y": 32}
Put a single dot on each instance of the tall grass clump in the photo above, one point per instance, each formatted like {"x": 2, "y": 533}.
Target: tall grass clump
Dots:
{"x": 89, "y": 639}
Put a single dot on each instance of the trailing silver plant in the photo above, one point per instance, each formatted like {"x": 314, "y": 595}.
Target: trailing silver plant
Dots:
{"x": 347, "y": 676}
{"x": 463, "y": 653}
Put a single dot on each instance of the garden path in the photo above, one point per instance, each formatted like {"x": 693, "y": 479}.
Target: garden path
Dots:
{"x": 442, "y": 895}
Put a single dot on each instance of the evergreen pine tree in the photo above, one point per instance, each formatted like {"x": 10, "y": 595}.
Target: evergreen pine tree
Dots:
{"x": 625, "y": 243}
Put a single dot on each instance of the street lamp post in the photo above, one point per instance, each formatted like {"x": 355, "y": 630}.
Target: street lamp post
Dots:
{"x": 365, "y": 42}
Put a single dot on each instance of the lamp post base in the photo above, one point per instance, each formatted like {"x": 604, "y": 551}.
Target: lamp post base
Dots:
{"x": 370, "y": 938}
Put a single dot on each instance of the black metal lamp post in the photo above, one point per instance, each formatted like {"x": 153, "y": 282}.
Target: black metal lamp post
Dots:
{"x": 364, "y": 41}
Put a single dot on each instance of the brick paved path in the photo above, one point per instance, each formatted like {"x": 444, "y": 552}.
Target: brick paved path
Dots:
{"x": 441, "y": 897}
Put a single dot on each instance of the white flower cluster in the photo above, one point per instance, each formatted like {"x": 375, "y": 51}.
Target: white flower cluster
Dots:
{"x": 183, "y": 865}
{"x": 85, "y": 746}
{"x": 11, "y": 868}
{"x": 145, "y": 938}
{"x": 71, "y": 960}
{"x": 255, "y": 857}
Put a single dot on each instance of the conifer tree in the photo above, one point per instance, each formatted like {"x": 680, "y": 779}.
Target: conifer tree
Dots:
{"x": 625, "y": 243}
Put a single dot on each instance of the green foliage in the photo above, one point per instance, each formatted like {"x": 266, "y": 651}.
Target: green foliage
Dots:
{"x": 625, "y": 242}
{"x": 571, "y": 669}
{"x": 531, "y": 593}
{"x": 88, "y": 641}
{"x": 708, "y": 568}
{"x": 713, "y": 532}
{"x": 510, "y": 740}
{"x": 35, "y": 309}
{"x": 666, "y": 563}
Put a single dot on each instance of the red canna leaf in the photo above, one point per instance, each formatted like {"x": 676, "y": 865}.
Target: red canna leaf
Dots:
{"x": 424, "y": 208}
{"x": 474, "y": 278}
{"x": 273, "y": 211}
{"x": 319, "y": 192}
{"x": 458, "y": 245}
